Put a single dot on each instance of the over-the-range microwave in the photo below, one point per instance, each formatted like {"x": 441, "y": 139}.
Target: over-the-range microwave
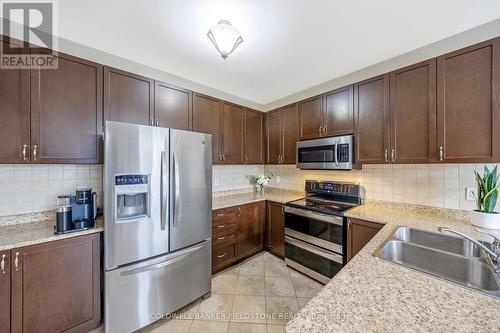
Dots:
{"x": 333, "y": 153}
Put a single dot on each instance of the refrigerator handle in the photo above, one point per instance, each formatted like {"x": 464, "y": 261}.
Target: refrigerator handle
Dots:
{"x": 163, "y": 184}
{"x": 176, "y": 190}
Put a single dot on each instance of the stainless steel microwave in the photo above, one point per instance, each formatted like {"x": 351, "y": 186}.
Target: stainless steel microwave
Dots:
{"x": 334, "y": 153}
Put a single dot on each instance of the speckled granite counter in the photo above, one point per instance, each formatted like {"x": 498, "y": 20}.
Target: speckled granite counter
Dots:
{"x": 373, "y": 295}
{"x": 248, "y": 197}
{"x": 28, "y": 233}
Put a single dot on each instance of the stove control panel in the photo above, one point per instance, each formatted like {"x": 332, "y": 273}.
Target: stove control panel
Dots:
{"x": 334, "y": 188}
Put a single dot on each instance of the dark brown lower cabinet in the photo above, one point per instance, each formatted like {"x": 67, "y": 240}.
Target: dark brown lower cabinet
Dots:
{"x": 276, "y": 228}
{"x": 5, "y": 292}
{"x": 251, "y": 219}
{"x": 359, "y": 233}
{"x": 56, "y": 286}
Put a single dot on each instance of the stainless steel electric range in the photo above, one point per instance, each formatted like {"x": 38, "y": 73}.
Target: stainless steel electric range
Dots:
{"x": 316, "y": 229}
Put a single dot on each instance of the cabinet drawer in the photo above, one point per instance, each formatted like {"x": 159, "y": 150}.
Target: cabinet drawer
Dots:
{"x": 223, "y": 255}
{"x": 223, "y": 229}
{"x": 221, "y": 239}
{"x": 224, "y": 216}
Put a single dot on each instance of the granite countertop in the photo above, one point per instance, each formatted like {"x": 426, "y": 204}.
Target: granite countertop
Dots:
{"x": 39, "y": 229}
{"x": 370, "y": 294}
{"x": 271, "y": 194}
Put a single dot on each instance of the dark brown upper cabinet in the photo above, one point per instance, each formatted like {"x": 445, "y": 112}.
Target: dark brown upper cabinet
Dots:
{"x": 15, "y": 116}
{"x": 66, "y": 112}
{"x": 371, "y": 114}
{"x": 282, "y": 135}
{"x": 232, "y": 134}
{"x": 253, "y": 137}
{"x": 311, "y": 118}
{"x": 338, "y": 112}
{"x": 128, "y": 97}
{"x": 207, "y": 115}
{"x": 173, "y": 106}
{"x": 468, "y": 104}
{"x": 413, "y": 113}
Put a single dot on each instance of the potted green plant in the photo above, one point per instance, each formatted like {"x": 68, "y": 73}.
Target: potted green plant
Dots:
{"x": 486, "y": 199}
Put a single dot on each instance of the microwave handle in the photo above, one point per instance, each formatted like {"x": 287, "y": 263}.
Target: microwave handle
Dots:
{"x": 335, "y": 152}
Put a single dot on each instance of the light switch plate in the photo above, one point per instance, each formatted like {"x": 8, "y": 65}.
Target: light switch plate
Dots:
{"x": 216, "y": 181}
{"x": 278, "y": 179}
{"x": 470, "y": 193}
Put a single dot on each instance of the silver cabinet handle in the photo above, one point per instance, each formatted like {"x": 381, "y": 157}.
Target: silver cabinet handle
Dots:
{"x": 163, "y": 186}
{"x": 16, "y": 261}
{"x": 246, "y": 159}
{"x": 157, "y": 122}
{"x": 221, "y": 226}
{"x": 176, "y": 187}
{"x": 325, "y": 129}
{"x": 386, "y": 155}
{"x": 223, "y": 157}
{"x": 239, "y": 211}
{"x": 221, "y": 256}
{"x": 34, "y": 152}
{"x": 220, "y": 156}
{"x": 393, "y": 154}
{"x": 2, "y": 264}
{"x": 441, "y": 153}
{"x": 24, "y": 152}
{"x": 220, "y": 214}
{"x": 151, "y": 122}
{"x": 320, "y": 130}
{"x": 221, "y": 238}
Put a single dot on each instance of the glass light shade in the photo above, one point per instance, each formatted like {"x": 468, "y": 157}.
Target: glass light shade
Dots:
{"x": 225, "y": 38}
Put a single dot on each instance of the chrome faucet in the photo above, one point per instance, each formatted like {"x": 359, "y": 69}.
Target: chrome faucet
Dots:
{"x": 493, "y": 257}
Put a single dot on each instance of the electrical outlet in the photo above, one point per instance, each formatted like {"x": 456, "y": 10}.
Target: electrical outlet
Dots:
{"x": 278, "y": 179}
{"x": 216, "y": 181}
{"x": 470, "y": 193}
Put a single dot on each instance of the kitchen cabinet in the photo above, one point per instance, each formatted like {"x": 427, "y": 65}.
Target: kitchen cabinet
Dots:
{"x": 413, "y": 113}
{"x": 66, "y": 112}
{"x": 4, "y": 291}
{"x": 56, "y": 286}
{"x": 224, "y": 236}
{"x": 15, "y": 115}
{"x": 371, "y": 114}
{"x": 282, "y": 135}
{"x": 207, "y": 119}
{"x": 251, "y": 219}
{"x": 232, "y": 134}
{"x": 468, "y": 104}
{"x": 253, "y": 137}
{"x": 338, "y": 112}
{"x": 311, "y": 118}
{"x": 173, "y": 106}
{"x": 276, "y": 228}
{"x": 359, "y": 233}
{"x": 128, "y": 97}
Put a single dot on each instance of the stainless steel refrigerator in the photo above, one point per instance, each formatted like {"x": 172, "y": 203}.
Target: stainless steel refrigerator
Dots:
{"x": 158, "y": 208}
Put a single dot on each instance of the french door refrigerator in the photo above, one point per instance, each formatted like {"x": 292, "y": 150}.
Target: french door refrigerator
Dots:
{"x": 158, "y": 208}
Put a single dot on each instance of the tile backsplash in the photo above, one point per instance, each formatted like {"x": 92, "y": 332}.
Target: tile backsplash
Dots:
{"x": 234, "y": 177}
{"x": 27, "y": 188}
{"x": 438, "y": 185}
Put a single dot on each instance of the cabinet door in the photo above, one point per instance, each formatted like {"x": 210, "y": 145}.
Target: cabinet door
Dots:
{"x": 310, "y": 118}
{"x": 128, "y": 97}
{"x": 232, "y": 134}
{"x": 251, "y": 219}
{"x": 359, "y": 233}
{"x": 172, "y": 106}
{"x": 15, "y": 116}
{"x": 5, "y": 292}
{"x": 276, "y": 228}
{"x": 254, "y": 137}
{"x": 56, "y": 286}
{"x": 207, "y": 119}
{"x": 468, "y": 104}
{"x": 339, "y": 116}
{"x": 413, "y": 113}
{"x": 371, "y": 108}
{"x": 273, "y": 151}
{"x": 289, "y": 116}
{"x": 66, "y": 112}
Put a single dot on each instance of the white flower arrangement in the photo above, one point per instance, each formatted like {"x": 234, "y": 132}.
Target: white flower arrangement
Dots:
{"x": 261, "y": 181}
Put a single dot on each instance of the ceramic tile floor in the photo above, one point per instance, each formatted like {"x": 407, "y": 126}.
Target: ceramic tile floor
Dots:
{"x": 256, "y": 296}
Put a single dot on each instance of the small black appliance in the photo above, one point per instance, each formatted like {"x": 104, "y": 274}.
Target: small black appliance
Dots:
{"x": 76, "y": 212}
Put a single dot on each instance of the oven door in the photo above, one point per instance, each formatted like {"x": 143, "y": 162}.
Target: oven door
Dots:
{"x": 311, "y": 260}
{"x": 319, "y": 229}
{"x": 326, "y": 153}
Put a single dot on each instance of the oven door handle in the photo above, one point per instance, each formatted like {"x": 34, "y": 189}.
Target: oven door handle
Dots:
{"x": 313, "y": 215}
{"x": 313, "y": 249}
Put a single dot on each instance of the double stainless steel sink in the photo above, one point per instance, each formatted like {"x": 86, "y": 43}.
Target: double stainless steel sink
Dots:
{"x": 454, "y": 259}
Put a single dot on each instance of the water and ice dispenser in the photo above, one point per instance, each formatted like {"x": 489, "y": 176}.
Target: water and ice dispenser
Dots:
{"x": 133, "y": 197}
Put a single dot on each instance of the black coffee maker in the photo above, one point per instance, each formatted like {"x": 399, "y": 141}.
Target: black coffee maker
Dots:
{"x": 76, "y": 212}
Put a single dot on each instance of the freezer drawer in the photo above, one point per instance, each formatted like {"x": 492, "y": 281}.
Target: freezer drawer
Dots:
{"x": 135, "y": 294}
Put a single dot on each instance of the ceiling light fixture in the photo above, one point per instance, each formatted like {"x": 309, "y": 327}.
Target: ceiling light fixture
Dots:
{"x": 225, "y": 38}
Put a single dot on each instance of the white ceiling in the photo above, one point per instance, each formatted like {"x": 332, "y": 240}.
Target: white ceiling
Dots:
{"x": 289, "y": 45}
